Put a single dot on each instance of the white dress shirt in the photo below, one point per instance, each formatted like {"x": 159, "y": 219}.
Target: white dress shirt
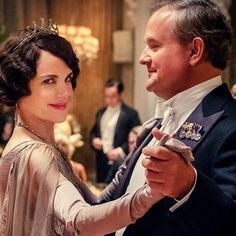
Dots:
{"x": 108, "y": 125}
{"x": 174, "y": 113}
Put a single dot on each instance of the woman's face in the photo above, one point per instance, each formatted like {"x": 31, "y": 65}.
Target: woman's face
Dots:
{"x": 51, "y": 90}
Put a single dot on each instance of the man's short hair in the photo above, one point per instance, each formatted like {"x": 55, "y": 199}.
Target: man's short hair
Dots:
{"x": 204, "y": 19}
{"x": 115, "y": 82}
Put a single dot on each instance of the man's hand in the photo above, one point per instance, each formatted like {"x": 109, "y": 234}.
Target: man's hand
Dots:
{"x": 97, "y": 143}
{"x": 167, "y": 171}
{"x": 114, "y": 154}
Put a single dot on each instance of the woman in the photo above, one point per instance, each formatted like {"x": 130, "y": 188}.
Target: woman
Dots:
{"x": 39, "y": 195}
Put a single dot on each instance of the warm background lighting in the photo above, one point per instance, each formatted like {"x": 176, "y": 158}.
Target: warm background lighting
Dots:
{"x": 85, "y": 45}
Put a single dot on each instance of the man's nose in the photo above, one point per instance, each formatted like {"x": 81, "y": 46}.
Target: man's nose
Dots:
{"x": 144, "y": 59}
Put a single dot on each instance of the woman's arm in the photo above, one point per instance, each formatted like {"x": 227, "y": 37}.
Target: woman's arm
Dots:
{"x": 80, "y": 217}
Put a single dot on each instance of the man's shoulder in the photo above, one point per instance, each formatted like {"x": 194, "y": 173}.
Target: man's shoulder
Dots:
{"x": 128, "y": 108}
{"x": 101, "y": 110}
{"x": 219, "y": 99}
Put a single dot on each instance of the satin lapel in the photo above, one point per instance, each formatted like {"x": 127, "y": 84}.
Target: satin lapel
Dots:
{"x": 205, "y": 121}
{"x": 118, "y": 126}
{"x": 144, "y": 138}
{"x": 99, "y": 122}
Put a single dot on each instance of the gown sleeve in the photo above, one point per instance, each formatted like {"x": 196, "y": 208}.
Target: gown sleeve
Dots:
{"x": 84, "y": 219}
{"x": 55, "y": 195}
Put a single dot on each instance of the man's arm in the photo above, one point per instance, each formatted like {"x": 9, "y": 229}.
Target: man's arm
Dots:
{"x": 211, "y": 204}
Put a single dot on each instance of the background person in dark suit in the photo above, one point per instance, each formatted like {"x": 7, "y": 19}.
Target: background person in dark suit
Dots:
{"x": 109, "y": 134}
{"x": 188, "y": 45}
{"x": 233, "y": 91}
{"x": 6, "y": 127}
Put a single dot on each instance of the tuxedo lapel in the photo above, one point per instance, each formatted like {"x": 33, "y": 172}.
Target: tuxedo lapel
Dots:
{"x": 99, "y": 121}
{"x": 120, "y": 120}
{"x": 143, "y": 139}
{"x": 197, "y": 117}
{"x": 207, "y": 114}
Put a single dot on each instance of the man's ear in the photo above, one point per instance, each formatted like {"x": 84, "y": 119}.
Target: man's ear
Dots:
{"x": 197, "y": 48}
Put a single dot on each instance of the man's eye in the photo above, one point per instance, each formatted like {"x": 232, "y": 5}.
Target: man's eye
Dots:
{"x": 153, "y": 46}
{"x": 48, "y": 81}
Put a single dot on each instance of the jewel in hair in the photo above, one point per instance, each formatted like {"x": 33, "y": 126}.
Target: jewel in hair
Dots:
{"x": 31, "y": 32}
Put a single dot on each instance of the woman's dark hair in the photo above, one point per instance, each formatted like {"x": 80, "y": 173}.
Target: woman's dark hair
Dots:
{"x": 201, "y": 18}
{"x": 19, "y": 56}
{"x": 115, "y": 82}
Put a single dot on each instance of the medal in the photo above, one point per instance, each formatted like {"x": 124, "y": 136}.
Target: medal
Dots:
{"x": 191, "y": 131}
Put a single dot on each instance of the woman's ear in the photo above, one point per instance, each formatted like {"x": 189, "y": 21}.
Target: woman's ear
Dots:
{"x": 196, "y": 51}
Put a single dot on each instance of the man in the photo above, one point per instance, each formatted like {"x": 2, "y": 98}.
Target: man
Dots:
{"x": 233, "y": 91}
{"x": 187, "y": 47}
{"x": 133, "y": 136}
{"x": 109, "y": 134}
{"x": 6, "y": 127}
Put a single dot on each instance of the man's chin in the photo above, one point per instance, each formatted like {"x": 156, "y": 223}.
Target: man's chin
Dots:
{"x": 150, "y": 85}
{"x": 148, "y": 88}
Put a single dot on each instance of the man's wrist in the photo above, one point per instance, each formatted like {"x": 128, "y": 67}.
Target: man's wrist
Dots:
{"x": 191, "y": 182}
{"x": 180, "y": 202}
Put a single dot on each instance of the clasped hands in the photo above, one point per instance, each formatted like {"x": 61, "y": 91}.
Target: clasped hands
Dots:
{"x": 112, "y": 155}
{"x": 168, "y": 168}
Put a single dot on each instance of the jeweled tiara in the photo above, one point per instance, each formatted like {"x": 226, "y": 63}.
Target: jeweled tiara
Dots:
{"x": 31, "y": 32}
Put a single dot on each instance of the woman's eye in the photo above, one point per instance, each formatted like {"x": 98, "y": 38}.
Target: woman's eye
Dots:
{"x": 69, "y": 78}
{"x": 49, "y": 81}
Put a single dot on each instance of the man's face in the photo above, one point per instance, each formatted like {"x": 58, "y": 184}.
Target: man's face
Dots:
{"x": 233, "y": 91}
{"x": 131, "y": 140}
{"x": 112, "y": 97}
{"x": 166, "y": 59}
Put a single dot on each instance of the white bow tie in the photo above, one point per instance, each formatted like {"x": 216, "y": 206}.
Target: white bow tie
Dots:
{"x": 168, "y": 117}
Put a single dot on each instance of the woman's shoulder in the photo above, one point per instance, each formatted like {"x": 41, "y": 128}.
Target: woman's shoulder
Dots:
{"x": 38, "y": 146}
{"x": 33, "y": 159}
{"x": 36, "y": 153}
{"x": 33, "y": 146}
{"x": 39, "y": 149}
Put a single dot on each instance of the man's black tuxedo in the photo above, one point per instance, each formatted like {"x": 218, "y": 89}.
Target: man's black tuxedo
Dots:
{"x": 211, "y": 208}
{"x": 128, "y": 119}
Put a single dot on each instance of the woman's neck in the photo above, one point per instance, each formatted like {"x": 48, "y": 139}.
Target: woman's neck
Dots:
{"x": 39, "y": 128}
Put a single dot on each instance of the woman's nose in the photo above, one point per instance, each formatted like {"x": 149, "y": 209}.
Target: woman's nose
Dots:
{"x": 61, "y": 90}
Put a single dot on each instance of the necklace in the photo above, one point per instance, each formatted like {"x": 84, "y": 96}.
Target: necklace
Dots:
{"x": 34, "y": 133}
{"x": 65, "y": 160}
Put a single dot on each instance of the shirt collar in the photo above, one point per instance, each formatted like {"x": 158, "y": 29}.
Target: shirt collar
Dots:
{"x": 115, "y": 108}
{"x": 187, "y": 99}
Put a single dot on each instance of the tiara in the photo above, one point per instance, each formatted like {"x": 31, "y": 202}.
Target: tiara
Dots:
{"x": 34, "y": 31}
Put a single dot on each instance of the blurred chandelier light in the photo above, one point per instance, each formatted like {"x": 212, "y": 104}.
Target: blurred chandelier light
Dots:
{"x": 85, "y": 45}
